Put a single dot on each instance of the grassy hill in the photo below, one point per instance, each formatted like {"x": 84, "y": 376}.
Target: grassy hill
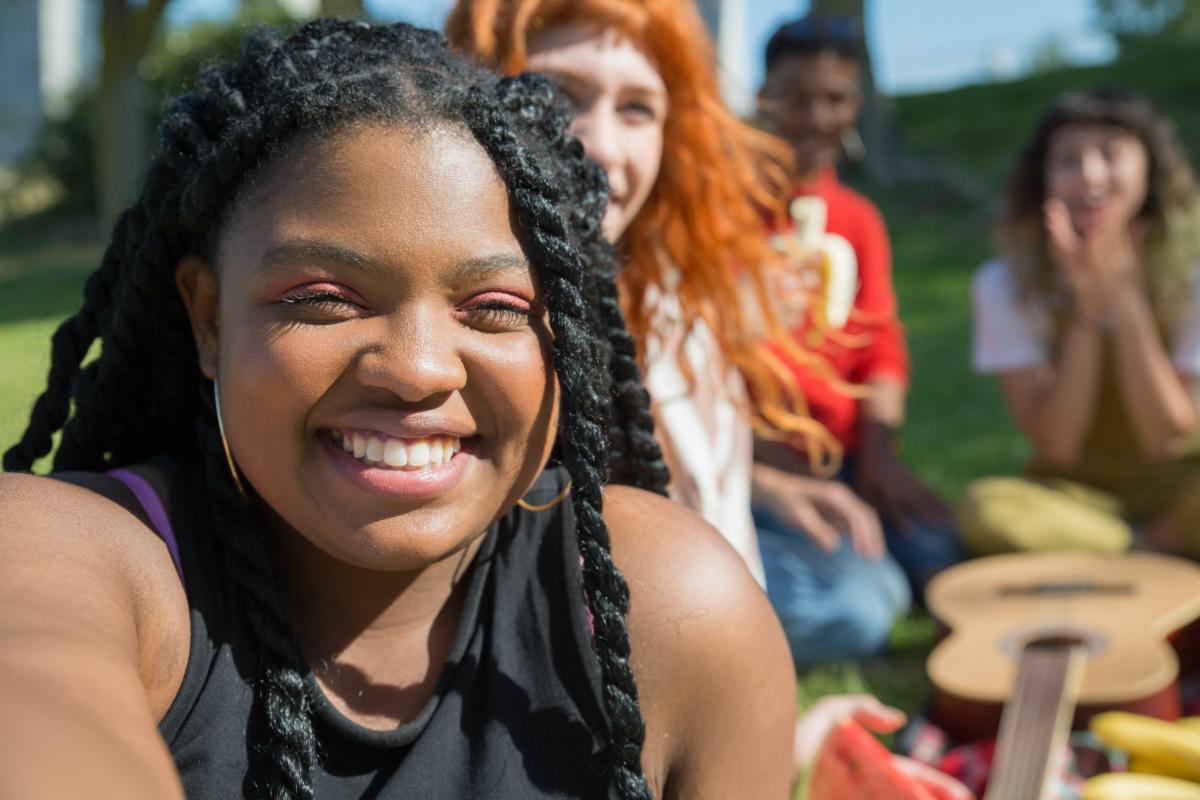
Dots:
{"x": 981, "y": 128}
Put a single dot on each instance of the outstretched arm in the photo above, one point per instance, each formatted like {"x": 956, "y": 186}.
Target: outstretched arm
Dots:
{"x": 715, "y": 678}
{"x": 84, "y": 601}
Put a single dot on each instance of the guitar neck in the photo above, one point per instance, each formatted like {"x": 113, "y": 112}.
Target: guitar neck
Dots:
{"x": 1036, "y": 721}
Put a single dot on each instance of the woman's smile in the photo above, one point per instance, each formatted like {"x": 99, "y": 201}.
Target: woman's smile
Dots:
{"x": 409, "y": 469}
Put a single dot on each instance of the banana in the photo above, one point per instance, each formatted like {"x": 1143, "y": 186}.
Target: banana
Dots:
{"x": 1127, "y": 786}
{"x": 1190, "y": 722}
{"x": 1174, "y": 747}
{"x": 1147, "y": 765}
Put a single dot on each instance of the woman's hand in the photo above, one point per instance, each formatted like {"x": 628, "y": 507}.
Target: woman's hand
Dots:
{"x": 821, "y": 508}
{"x": 866, "y": 710}
{"x": 1098, "y": 265}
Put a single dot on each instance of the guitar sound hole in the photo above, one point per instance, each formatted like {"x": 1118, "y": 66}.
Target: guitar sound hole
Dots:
{"x": 1065, "y": 588}
{"x": 1057, "y": 642}
{"x": 1052, "y": 637}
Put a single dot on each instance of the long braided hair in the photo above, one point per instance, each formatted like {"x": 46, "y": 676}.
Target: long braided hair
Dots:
{"x": 144, "y": 394}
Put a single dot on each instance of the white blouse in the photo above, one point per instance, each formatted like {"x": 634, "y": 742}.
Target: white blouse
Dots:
{"x": 702, "y": 422}
{"x": 1011, "y": 333}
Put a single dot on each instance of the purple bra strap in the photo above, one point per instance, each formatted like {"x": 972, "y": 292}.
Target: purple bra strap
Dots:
{"x": 153, "y": 506}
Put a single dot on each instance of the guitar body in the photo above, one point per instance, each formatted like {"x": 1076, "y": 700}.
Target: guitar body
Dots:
{"x": 1118, "y": 611}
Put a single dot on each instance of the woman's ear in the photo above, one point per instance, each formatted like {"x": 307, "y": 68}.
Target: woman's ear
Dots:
{"x": 196, "y": 281}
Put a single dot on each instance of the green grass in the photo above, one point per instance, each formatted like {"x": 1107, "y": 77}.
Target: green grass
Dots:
{"x": 43, "y": 264}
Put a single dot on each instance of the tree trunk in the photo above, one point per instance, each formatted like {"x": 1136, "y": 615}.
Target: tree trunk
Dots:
{"x": 121, "y": 124}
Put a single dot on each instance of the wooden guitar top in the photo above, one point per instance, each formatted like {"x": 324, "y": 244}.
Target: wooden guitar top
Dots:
{"x": 1123, "y": 607}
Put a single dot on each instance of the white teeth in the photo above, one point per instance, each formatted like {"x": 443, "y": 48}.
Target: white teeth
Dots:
{"x": 395, "y": 454}
{"x": 433, "y": 451}
{"x": 418, "y": 454}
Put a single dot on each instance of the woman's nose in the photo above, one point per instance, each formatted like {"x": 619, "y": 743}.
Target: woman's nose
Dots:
{"x": 415, "y": 358}
{"x": 597, "y": 129}
{"x": 1094, "y": 168}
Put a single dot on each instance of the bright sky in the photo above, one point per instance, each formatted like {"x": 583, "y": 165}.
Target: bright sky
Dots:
{"x": 917, "y": 45}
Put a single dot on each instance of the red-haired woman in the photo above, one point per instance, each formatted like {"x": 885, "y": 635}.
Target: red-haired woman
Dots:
{"x": 690, "y": 186}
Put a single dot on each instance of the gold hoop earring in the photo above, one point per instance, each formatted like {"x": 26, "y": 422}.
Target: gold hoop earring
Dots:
{"x": 558, "y": 498}
{"x": 233, "y": 471}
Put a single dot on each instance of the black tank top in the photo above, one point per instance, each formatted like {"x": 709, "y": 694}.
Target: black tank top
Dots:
{"x": 517, "y": 712}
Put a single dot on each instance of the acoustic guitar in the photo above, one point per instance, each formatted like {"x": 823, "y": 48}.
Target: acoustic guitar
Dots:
{"x": 1039, "y": 639}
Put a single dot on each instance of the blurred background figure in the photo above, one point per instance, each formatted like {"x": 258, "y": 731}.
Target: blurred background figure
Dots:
{"x": 811, "y": 98}
{"x": 680, "y": 170}
{"x": 1090, "y": 317}
{"x": 689, "y": 183}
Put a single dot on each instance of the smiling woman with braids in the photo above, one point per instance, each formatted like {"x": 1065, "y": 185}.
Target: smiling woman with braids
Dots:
{"x": 332, "y": 513}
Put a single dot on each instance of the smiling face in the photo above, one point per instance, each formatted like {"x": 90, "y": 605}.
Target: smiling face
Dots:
{"x": 620, "y": 108}
{"x": 381, "y": 345}
{"x": 811, "y": 100}
{"x": 1099, "y": 171}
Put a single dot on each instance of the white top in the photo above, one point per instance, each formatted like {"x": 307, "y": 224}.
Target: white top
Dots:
{"x": 1011, "y": 333}
{"x": 702, "y": 423}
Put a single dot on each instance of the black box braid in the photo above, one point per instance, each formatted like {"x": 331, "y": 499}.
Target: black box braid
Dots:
{"x": 144, "y": 395}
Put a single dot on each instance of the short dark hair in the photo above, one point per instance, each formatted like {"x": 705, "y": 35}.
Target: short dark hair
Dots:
{"x": 816, "y": 33}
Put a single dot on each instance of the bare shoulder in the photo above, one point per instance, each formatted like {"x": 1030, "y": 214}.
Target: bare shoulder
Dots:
{"x": 82, "y": 515}
{"x": 77, "y": 557}
{"x": 714, "y": 674}
{"x": 674, "y": 561}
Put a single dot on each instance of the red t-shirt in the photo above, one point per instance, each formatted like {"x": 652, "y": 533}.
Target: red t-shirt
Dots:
{"x": 865, "y": 340}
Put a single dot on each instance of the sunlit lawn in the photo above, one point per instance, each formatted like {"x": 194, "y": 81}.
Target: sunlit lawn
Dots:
{"x": 43, "y": 264}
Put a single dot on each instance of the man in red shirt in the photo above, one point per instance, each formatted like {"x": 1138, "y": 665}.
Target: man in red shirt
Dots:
{"x": 825, "y": 544}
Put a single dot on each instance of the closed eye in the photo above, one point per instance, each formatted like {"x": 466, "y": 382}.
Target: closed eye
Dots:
{"x": 314, "y": 299}
{"x": 497, "y": 310}
{"x": 322, "y": 303}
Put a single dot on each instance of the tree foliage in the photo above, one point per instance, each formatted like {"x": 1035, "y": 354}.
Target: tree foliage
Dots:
{"x": 67, "y": 152}
{"x": 1132, "y": 20}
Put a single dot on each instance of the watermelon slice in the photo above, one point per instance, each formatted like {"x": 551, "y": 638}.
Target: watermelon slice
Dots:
{"x": 854, "y": 765}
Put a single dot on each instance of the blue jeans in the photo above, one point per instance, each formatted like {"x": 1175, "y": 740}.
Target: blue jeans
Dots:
{"x": 839, "y": 606}
{"x": 833, "y": 606}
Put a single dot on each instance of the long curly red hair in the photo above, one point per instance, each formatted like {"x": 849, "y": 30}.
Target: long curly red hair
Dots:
{"x": 720, "y": 185}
